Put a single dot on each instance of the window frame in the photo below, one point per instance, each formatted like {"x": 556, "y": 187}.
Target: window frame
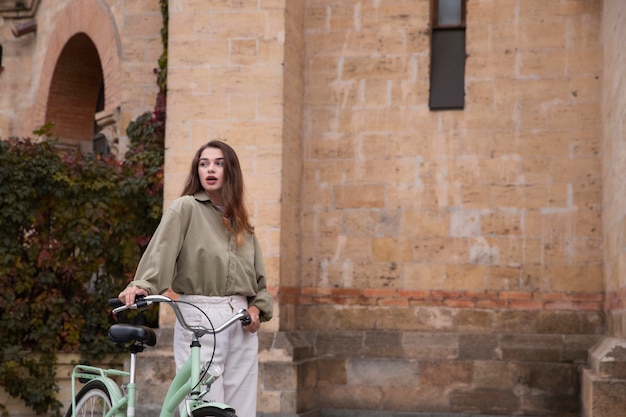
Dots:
{"x": 447, "y": 85}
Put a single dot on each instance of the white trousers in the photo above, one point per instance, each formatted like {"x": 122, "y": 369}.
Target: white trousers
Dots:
{"x": 236, "y": 350}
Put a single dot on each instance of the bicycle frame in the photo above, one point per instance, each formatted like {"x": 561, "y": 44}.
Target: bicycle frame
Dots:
{"x": 182, "y": 384}
{"x": 180, "y": 389}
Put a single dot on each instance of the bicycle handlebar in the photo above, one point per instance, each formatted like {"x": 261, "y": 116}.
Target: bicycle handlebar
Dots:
{"x": 144, "y": 302}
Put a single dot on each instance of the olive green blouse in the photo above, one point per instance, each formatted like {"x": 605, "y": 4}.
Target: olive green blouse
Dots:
{"x": 193, "y": 253}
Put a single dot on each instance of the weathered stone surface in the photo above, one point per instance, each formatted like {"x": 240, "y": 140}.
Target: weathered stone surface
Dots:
{"x": 332, "y": 371}
{"x": 479, "y": 347}
{"x": 445, "y": 373}
{"x": 430, "y": 346}
{"x": 531, "y": 347}
{"x": 487, "y": 401}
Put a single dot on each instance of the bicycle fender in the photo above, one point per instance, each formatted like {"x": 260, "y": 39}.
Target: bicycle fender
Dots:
{"x": 208, "y": 404}
{"x": 114, "y": 389}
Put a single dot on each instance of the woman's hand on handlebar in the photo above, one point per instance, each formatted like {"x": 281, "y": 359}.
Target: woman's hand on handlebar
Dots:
{"x": 255, "y": 324}
{"x": 128, "y": 295}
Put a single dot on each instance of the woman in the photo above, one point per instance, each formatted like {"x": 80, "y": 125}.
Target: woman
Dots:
{"x": 206, "y": 251}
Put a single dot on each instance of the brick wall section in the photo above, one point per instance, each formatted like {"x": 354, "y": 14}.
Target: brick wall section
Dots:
{"x": 614, "y": 152}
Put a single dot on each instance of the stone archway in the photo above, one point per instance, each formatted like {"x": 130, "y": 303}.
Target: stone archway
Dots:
{"x": 75, "y": 89}
{"x": 84, "y": 42}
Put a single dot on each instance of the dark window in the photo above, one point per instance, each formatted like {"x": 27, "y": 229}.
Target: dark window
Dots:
{"x": 447, "y": 55}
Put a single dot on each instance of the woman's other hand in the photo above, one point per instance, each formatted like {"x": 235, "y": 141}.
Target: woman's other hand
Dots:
{"x": 255, "y": 324}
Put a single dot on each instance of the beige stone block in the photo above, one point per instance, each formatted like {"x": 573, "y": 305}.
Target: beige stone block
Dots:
{"x": 387, "y": 249}
{"x": 487, "y": 12}
{"x": 370, "y": 119}
{"x": 506, "y": 196}
{"x": 376, "y": 68}
{"x": 546, "y": 91}
{"x": 532, "y": 250}
{"x": 199, "y": 52}
{"x": 247, "y": 79}
{"x": 501, "y": 250}
{"x": 346, "y": 251}
{"x": 576, "y": 171}
{"x": 269, "y": 105}
{"x": 531, "y": 12}
{"x": 414, "y": 90}
{"x": 428, "y": 197}
{"x": 339, "y": 151}
{"x": 330, "y": 223}
{"x": 477, "y": 117}
{"x": 502, "y": 278}
{"x": 475, "y": 196}
{"x": 465, "y": 277}
{"x": 543, "y": 35}
{"x": 143, "y": 25}
{"x": 545, "y": 143}
{"x": 575, "y": 278}
{"x": 241, "y": 24}
{"x": 368, "y": 224}
{"x": 534, "y": 277}
{"x": 501, "y": 222}
{"x": 249, "y": 132}
{"x": 243, "y": 51}
{"x": 536, "y": 170}
{"x": 490, "y": 65}
{"x": 198, "y": 106}
{"x": 426, "y": 223}
{"x": 441, "y": 250}
{"x": 318, "y": 197}
{"x": 585, "y": 60}
{"x": 359, "y": 196}
{"x": 378, "y": 275}
{"x": 585, "y": 143}
{"x": 243, "y": 105}
{"x": 587, "y": 250}
{"x": 185, "y": 79}
{"x": 423, "y": 276}
{"x": 539, "y": 195}
{"x": 544, "y": 63}
{"x": 574, "y": 116}
{"x": 504, "y": 37}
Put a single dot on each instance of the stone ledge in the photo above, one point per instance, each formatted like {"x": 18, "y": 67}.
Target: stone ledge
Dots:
{"x": 607, "y": 358}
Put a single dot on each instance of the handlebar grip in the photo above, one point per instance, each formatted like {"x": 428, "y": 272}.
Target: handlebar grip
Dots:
{"x": 115, "y": 302}
{"x": 246, "y": 319}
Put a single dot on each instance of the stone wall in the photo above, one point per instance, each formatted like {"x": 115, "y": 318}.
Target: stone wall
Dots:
{"x": 446, "y": 261}
{"x": 478, "y": 230}
{"x": 604, "y": 377}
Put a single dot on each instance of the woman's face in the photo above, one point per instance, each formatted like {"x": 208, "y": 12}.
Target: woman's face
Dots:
{"x": 211, "y": 173}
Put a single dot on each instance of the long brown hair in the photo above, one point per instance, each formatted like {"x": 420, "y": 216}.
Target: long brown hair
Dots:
{"x": 235, "y": 215}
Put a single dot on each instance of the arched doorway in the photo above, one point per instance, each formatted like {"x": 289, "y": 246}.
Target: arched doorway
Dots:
{"x": 76, "y": 94}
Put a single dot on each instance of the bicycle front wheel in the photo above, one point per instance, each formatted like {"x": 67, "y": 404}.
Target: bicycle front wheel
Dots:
{"x": 212, "y": 412}
{"x": 93, "y": 400}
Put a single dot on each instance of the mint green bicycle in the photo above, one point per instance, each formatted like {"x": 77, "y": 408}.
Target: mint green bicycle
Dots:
{"x": 101, "y": 396}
